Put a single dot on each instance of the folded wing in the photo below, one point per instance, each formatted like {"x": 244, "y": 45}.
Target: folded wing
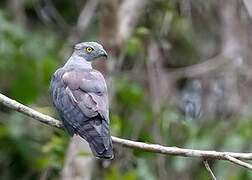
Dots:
{"x": 82, "y": 101}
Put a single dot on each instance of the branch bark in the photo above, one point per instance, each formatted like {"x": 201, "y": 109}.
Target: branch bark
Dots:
{"x": 155, "y": 148}
{"x": 209, "y": 170}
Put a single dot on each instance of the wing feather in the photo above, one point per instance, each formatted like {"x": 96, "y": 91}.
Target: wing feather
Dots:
{"x": 87, "y": 114}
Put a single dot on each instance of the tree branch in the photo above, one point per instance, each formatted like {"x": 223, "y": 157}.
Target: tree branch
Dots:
{"x": 204, "y": 67}
{"x": 156, "y": 148}
{"x": 30, "y": 112}
{"x": 209, "y": 169}
{"x": 237, "y": 161}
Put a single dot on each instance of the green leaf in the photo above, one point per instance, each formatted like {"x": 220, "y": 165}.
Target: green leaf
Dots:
{"x": 143, "y": 31}
{"x": 84, "y": 154}
{"x": 129, "y": 176}
{"x": 129, "y": 93}
{"x": 134, "y": 46}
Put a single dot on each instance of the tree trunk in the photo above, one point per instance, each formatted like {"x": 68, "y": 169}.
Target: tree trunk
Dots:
{"x": 77, "y": 166}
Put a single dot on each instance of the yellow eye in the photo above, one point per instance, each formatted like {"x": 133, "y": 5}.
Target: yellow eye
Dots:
{"x": 89, "y": 49}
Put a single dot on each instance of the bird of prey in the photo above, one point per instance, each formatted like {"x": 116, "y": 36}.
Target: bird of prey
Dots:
{"x": 80, "y": 96}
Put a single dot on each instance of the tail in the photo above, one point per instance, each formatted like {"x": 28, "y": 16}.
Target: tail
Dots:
{"x": 106, "y": 154}
{"x": 96, "y": 132}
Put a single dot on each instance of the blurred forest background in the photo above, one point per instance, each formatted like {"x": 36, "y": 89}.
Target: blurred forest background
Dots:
{"x": 179, "y": 74}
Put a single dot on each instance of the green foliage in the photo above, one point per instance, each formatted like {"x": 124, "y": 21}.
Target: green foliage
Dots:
{"x": 134, "y": 46}
{"x": 144, "y": 170}
{"x": 53, "y": 153}
{"x": 84, "y": 154}
{"x": 141, "y": 31}
{"x": 29, "y": 56}
{"x": 116, "y": 124}
{"x": 18, "y": 148}
{"x": 116, "y": 175}
{"x": 27, "y": 60}
{"x": 129, "y": 103}
{"x": 129, "y": 94}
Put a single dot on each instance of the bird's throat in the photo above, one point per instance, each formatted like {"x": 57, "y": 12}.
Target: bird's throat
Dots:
{"x": 78, "y": 61}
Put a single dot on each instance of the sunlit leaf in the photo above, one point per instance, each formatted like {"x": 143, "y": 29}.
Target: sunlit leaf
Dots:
{"x": 84, "y": 154}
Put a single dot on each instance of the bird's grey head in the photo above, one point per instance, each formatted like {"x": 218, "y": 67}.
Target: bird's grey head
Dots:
{"x": 89, "y": 50}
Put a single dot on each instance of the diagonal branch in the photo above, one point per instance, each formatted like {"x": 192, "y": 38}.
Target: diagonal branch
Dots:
{"x": 209, "y": 169}
{"x": 156, "y": 148}
{"x": 30, "y": 112}
{"x": 237, "y": 161}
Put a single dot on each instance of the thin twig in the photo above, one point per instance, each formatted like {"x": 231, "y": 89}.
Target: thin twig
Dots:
{"x": 156, "y": 148}
{"x": 209, "y": 169}
{"x": 237, "y": 161}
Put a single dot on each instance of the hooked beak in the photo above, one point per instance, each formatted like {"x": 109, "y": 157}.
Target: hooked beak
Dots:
{"x": 104, "y": 54}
